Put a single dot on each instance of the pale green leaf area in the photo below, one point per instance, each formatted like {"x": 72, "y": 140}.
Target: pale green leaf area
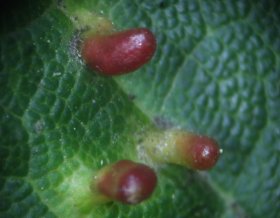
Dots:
{"x": 216, "y": 72}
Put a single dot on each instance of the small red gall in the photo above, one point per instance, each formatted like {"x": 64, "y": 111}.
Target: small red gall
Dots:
{"x": 199, "y": 152}
{"x": 119, "y": 52}
{"x": 126, "y": 181}
{"x": 194, "y": 151}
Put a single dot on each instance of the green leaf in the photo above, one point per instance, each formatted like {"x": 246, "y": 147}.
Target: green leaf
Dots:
{"x": 215, "y": 72}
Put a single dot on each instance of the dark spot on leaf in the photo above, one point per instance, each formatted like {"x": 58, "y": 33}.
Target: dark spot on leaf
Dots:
{"x": 131, "y": 97}
{"x": 162, "y": 122}
{"x": 162, "y": 4}
{"x": 238, "y": 210}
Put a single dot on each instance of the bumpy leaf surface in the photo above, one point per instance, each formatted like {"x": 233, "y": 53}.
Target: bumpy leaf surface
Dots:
{"x": 216, "y": 72}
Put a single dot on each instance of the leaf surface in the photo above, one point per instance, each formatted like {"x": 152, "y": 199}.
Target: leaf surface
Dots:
{"x": 216, "y": 72}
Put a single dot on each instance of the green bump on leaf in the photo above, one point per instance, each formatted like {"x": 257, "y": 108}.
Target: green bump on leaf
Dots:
{"x": 215, "y": 72}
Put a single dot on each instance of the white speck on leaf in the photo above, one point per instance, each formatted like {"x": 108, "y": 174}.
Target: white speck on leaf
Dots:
{"x": 56, "y": 74}
{"x": 39, "y": 126}
{"x": 132, "y": 190}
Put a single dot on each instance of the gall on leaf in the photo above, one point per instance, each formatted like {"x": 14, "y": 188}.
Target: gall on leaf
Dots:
{"x": 125, "y": 181}
{"x": 194, "y": 151}
{"x": 120, "y": 52}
